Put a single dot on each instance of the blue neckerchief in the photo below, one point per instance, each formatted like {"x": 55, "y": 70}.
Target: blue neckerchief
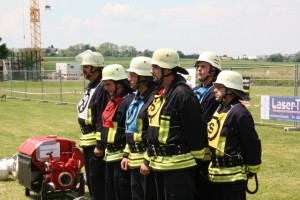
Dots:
{"x": 131, "y": 115}
{"x": 200, "y": 92}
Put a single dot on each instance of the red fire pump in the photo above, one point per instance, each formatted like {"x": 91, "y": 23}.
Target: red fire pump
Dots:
{"x": 50, "y": 165}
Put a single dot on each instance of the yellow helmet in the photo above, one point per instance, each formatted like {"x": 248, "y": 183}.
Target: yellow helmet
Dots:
{"x": 212, "y": 58}
{"x": 94, "y": 59}
{"x": 141, "y": 66}
{"x": 168, "y": 59}
{"x": 113, "y": 72}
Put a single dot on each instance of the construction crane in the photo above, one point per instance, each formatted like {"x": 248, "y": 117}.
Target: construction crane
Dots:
{"x": 35, "y": 26}
{"x": 35, "y": 23}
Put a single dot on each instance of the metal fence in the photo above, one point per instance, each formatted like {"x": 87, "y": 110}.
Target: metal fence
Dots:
{"x": 67, "y": 87}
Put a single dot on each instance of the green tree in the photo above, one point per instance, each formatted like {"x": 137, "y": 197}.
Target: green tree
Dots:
{"x": 3, "y": 50}
{"x": 297, "y": 57}
{"x": 108, "y": 49}
{"x": 148, "y": 53}
{"x": 275, "y": 58}
{"x": 76, "y": 49}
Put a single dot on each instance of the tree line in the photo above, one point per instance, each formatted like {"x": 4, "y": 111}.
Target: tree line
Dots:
{"x": 111, "y": 49}
{"x": 106, "y": 49}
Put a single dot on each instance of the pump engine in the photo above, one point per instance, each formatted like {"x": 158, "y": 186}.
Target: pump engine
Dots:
{"x": 50, "y": 165}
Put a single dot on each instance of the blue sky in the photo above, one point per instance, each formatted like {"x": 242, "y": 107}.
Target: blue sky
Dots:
{"x": 231, "y": 27}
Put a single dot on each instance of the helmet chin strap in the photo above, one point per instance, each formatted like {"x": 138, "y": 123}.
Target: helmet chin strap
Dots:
{"x": 208, "y": 75}
{"x": 139, "y": 81}
{"x": 91, "y": 72}
{"x": 160, "y": 82}
{"x": 116, "y": 89}
{"x": 225, "y": 95}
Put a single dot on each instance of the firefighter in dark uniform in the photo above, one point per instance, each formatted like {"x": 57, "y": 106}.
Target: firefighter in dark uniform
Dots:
{"x": 111, "y": 138}
{"x": 140, "y": 79}
{"x": 89, "y": 112}
{"x": 208, "y": 67}
{"x": 234, "y": 143}
{"x": 176, "y": 130}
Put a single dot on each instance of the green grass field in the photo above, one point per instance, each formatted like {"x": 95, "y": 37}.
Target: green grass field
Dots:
{"x": 279, "y": 177}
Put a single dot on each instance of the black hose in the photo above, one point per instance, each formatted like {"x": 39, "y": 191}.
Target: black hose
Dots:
{"x": 256, "y": 185}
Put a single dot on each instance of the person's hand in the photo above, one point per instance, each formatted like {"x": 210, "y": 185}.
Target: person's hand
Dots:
{"x": 124, "y": 164}
{"x": 144, "y": 170}
{"x": 98, "y": 152}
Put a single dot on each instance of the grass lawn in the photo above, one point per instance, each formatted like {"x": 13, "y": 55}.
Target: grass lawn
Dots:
{"x": 279, "y": 178}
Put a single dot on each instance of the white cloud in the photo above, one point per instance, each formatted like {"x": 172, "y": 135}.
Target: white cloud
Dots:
{"x": 117, "y": 9}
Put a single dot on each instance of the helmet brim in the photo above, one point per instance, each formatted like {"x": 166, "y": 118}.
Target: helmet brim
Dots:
{"x": 181, "y": 70}
{"x": 242, "y": 95}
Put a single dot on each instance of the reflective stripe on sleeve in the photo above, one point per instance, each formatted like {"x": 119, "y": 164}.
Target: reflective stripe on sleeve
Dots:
{"x": 87, "y": 140}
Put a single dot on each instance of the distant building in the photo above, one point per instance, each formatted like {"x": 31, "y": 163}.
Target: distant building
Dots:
{"x": 244, "y": 57}
{"x": 264, "y": 57}
{"x": 4, "y": 70}
{"x": 289, "y": 55}
{"x": 69, "y": 71}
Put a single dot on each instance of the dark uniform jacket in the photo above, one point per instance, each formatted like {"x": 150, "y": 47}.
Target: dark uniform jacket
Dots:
{"x": 238, "y": 149}
{"x": 113, "y": 138}
{"x": 95, "y": 108}
{"x": 174, "y": 119}
{"x": 208, "y": 106}
{"x": 137, "y": 127}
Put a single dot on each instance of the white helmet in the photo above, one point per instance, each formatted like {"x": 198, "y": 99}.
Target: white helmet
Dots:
{"x": 94, "y": 59}
{"x": 141, "y": 66}
{"x": 233, "y": 80}
{"x": 113, "y": 72}
{"x": 212, "y": 58}
{"x": 167, "y": 59}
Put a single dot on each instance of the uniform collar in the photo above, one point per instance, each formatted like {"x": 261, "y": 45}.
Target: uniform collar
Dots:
{"x": 178, "y": 79}
{"x": 95, "y": 82}
{"x": 145, "y": 94}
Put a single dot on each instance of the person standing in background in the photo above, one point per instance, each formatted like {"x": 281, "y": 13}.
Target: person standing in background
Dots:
{"x": 208, "y": 67}
{"x": 111, "y": 138}
{"x": 140, "y": 79}
{"x": 89, "y": 110}
{"x": 176, "y": 131}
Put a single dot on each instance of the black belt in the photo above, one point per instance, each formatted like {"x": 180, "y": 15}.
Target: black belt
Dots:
{"x": 226, "y": 161}
{"x": 87, "y": 129}
{"x": 137, "y": 147}
{"x": 112, "y": 147}
{"x": 167, "y": 150}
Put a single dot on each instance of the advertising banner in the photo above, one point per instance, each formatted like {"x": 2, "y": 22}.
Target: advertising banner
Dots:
{"x": 191, "y": 77}
{"x": 280, "y": 108}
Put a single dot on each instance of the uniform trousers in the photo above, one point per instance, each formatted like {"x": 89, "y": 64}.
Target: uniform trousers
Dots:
{"x": 142, "y": 187}
{"x": 117, "y": 182}
{"x": 175, "y": 184}
{"x": 203, "y": 185}
{"x": 95, "y": 173}
{"x": 229, "y": 191}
